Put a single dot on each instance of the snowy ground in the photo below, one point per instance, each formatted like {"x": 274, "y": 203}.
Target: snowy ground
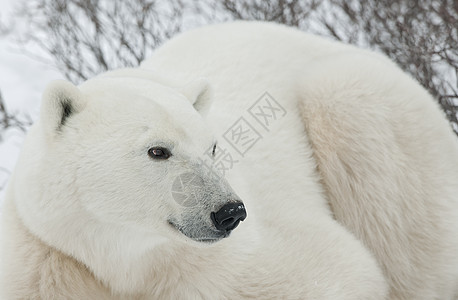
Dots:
{"x": 22, "y": 80}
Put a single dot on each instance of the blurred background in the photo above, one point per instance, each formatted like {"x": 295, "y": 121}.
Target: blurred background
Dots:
{"x": 42, "y": 40}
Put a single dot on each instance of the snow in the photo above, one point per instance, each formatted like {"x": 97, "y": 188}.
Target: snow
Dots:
{"x": 22, "y": 81}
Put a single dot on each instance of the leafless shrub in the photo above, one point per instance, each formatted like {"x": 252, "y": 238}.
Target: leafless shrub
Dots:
{"x": 87, "y": 37}
{"x": 11, "y": 120}
{"x": 289, "y": 12}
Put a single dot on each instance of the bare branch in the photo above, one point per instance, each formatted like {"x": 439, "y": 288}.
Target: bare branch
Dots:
{"x": 87, "y": 37}
{"x": 10, "y": 120}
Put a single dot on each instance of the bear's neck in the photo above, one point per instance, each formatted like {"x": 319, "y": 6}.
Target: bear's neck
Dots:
{"x": 164, "y": 270}
{"x": 174, "y": 270}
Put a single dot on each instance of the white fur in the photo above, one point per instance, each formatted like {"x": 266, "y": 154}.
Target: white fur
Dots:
{"x": 350, "y": 195}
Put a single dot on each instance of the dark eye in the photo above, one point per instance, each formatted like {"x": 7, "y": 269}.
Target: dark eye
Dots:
{"x": 214, "y": 150}
{"x": 159, "y": 153}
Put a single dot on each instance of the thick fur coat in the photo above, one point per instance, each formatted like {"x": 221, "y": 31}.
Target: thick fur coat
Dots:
{"x": 348, "y": 179}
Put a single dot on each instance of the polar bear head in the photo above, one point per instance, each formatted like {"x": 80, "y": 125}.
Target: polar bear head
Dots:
{"x": 123, "y": 155}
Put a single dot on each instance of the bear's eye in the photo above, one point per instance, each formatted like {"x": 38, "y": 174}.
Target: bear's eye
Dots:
{"x": 159, "y": 153}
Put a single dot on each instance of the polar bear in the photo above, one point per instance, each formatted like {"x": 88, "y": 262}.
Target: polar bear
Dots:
{"x": 242, "y": 160}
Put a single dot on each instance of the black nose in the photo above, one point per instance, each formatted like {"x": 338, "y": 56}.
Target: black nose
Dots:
{"x": 229, "y": 216}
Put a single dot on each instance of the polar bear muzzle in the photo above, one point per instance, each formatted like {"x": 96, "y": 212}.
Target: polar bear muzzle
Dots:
{"x": 203, "y": 227}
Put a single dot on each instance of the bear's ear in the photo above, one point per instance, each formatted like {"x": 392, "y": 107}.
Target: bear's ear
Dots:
{"x": 61, "y": 100}
{"x": 199, "y": 92}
